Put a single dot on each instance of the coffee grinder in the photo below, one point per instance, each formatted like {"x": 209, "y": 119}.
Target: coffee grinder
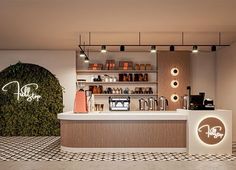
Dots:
{"x": 80, "y": 104}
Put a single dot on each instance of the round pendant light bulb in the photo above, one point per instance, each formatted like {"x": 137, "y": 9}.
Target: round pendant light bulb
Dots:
{"x": 153, "y": 49}
{"x": 195, "y": 49}
{"x": 172, "y": 48}
{"x": 103, "y": 49}
{"x": 86, "y": 60}
{"x": 122, "y": 48}
{"x": 213, "y": 48}
{"x": 82, "y": 55}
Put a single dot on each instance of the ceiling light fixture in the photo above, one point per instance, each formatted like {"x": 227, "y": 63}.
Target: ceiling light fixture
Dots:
{"x": 122, "y": 48}
{"x": 172, "y": 48}
{"x": 213, "y": 48}
{"x": 86, "y": 60}
{"x": 195, "y": 49}
{"x": 82, "y": 54}
{"x": 103, "y": 49}
{"x": 153, "y": 49}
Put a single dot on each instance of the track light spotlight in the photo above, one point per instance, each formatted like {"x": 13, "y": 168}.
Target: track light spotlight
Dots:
{"x": 172, "y": 48}
{"x": 122, "y": 48}
{"x": 195, "y": 49}
{"x": 103, "y": 49}
{"x": 153, "y": 49}
{"x": 82, "y": 55}
{"x": 86, "y": 60}
{"x": 213, "y": 48}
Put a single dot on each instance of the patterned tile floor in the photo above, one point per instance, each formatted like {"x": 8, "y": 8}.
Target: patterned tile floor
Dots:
{"x": 48, "y": 149}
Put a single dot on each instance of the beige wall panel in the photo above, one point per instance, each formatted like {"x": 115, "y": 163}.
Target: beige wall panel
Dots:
{"x": 167, "y": 61}
{"x": 122, "y": 134}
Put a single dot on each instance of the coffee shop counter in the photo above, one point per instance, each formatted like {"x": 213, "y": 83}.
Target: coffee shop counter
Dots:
{"x": 147, "y": 131}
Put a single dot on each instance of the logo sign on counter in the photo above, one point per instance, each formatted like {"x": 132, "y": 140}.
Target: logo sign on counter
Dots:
{"x": 24, "y": 91}
{"x": 211, "y": 130}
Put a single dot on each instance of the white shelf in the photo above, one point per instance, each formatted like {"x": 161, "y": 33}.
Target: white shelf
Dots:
{"x": 120, "y": 83}
{"x": 115, "y": 71}
{"x": 131, "y": 95}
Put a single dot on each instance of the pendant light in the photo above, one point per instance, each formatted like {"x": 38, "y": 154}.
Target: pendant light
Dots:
{"x": 213, "y": 48}
{"x": 122, "y": 48}
{"x": 86, "y": 60}
{"x": 82, "y": 55}
{"x": 153, "y": 49}
{"x": 172, "y": 48}
{"x": 195, "y": 49}
{"x": 103, "y": 49}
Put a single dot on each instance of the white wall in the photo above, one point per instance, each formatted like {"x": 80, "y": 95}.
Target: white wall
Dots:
{"x": 226, "y": 81}
{"x": 60, "y": 63}
{"x": 203, "y": 73}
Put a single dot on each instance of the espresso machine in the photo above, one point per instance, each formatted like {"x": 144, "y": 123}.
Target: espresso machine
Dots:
{"x": 163, "y": 103}
{"x": 119, "y": 103}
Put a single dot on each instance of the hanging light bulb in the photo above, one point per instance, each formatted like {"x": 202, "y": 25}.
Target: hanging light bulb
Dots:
{"x": 195, "y": 49}
{"x": 82, "y": 55}
{"x": 213, "y": 48}
{"x": 122, "y": 48}
{"x": 153, "y": 49}
{"x": 103, "y": 49}
{"x": 86, "y": 60}
{"x": 172, "y": 48}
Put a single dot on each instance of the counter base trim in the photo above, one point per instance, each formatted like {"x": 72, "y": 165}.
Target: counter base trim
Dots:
{"x": 106, "y": 150}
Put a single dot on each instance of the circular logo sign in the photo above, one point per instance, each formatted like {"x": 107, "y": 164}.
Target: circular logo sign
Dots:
{"x": 211, "y": 130}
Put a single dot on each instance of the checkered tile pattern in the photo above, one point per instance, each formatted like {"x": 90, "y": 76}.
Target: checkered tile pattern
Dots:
{"x": 48, "y": 149}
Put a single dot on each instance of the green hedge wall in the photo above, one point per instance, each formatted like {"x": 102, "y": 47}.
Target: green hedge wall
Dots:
{"x": 24, "y": 118}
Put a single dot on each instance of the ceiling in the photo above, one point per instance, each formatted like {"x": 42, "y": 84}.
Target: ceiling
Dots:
{"x": 56, "y": 24}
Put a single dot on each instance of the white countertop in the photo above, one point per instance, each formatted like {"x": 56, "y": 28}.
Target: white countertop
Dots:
{"x": 125, "y": 115}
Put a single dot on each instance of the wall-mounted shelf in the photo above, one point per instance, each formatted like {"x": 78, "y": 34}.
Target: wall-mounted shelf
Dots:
{"x": 115, "y": 71}
{"x": 131, "y": 95}
{"x": 121, "y": 82}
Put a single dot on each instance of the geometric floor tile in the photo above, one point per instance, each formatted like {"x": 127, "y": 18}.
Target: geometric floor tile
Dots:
{"x": 48, "y": 149}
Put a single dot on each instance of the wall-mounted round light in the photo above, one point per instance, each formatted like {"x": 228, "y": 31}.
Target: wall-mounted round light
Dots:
{"x": 174, "y": 98}
{"x": 174, "y": 83}
{"x": 174, "y": 71}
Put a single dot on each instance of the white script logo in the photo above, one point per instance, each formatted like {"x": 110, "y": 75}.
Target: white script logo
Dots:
{"x": 212, "y": 131}
{"x": 24, "y": 91}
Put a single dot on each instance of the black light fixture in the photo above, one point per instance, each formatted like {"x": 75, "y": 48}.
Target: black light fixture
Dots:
{"x": 195, "y": 49}
{"x": 82, "y": 55}
{"x": 172, "y": 48}
{"x": 153, "y": 49}
{"x": 86, "y": 60}
{"x": 213, "y": 48}
{"x": 122, "y": 48}
{"x": 103, "y": 49}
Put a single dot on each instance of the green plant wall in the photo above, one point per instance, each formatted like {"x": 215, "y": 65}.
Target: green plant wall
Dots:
{"x": 23, "y": 117}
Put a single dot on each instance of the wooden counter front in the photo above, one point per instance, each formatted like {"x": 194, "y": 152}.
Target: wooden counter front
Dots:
{"x": 123, "y": 133}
